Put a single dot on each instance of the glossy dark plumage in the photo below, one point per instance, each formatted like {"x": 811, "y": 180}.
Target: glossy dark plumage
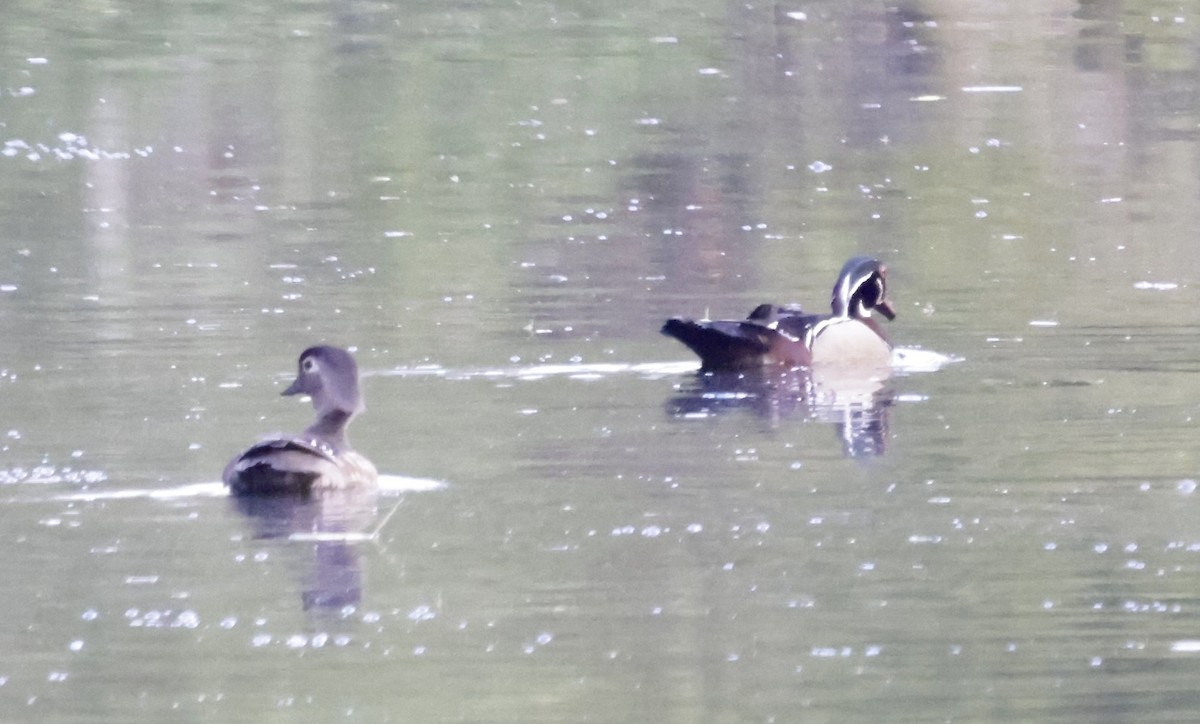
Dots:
{"x": 785, "y": 335}
{"x": 770, "y": 335}
{"x": 320, "y": 458}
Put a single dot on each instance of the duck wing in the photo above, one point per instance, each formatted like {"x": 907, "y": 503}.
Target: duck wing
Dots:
{"x": 797, "y": 325}
{"x": 281, "y": 465}
{"x": 724, "y": 344}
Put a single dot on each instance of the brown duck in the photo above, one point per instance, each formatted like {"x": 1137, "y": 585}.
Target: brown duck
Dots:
{"x": 320, "y": 458}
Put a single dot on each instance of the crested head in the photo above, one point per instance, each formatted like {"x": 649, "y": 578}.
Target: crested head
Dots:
{"x": 329, "y": 375}
{"x": 861, "y": 286}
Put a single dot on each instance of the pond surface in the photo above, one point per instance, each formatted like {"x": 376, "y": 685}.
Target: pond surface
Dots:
{"x": 496, "y": 205}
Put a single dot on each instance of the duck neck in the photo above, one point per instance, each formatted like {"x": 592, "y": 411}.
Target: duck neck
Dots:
{"x": 330, "y": 427}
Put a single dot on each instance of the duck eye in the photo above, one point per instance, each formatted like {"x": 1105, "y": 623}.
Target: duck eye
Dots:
{"x": 309, "y": 365}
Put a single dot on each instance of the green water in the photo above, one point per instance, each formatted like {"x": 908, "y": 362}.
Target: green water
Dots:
{"x": 496, "y": 205}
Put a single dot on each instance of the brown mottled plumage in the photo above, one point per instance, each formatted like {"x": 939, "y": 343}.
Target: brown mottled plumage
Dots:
{"x": 320, "y": 458}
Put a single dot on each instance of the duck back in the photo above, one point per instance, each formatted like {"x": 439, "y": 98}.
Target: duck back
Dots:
{"x": 295, "y": 466}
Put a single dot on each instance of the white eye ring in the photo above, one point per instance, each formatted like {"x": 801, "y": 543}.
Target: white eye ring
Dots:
{"x": 309, "y": 365}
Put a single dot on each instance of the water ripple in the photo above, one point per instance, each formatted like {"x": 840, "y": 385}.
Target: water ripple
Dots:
{"x": 905, "y": 360}
{"x": 387, "y": 484}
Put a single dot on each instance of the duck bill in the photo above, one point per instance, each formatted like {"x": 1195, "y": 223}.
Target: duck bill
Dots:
{"x": 297, "y": 387}
{"x": 885, "y": 308}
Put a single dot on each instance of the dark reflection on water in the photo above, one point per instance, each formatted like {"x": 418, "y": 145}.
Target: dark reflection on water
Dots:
{"x": 858, "y": 412}
{"x": 333, "y": 578}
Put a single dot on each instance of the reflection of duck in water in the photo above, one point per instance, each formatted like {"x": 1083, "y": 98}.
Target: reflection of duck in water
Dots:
{"x": 330, "y": 523}
{"x": 320, "y": 458}
{"x": 859, "y": 413}
{"x": 845, "y": 343}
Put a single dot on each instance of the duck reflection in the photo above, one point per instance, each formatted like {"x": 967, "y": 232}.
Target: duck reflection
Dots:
{"x": 331, "y": 522}
{"x": 858, "y": 409}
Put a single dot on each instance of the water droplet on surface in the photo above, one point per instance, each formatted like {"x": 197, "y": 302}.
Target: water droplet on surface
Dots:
{"x": 421, "y": 613}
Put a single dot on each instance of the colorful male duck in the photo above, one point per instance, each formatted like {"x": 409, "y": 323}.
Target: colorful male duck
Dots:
{"x": 784, "y": 335}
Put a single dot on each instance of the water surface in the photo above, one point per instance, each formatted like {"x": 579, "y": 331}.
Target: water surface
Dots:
{"x": 496, "y": 205}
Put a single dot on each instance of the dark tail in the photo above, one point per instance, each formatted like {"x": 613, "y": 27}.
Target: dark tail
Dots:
{"x": 721, "y": 345}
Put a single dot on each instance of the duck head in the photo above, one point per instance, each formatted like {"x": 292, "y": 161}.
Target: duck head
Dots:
{"x": 862, "y": 286}
{"x": 329, "y": 375}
